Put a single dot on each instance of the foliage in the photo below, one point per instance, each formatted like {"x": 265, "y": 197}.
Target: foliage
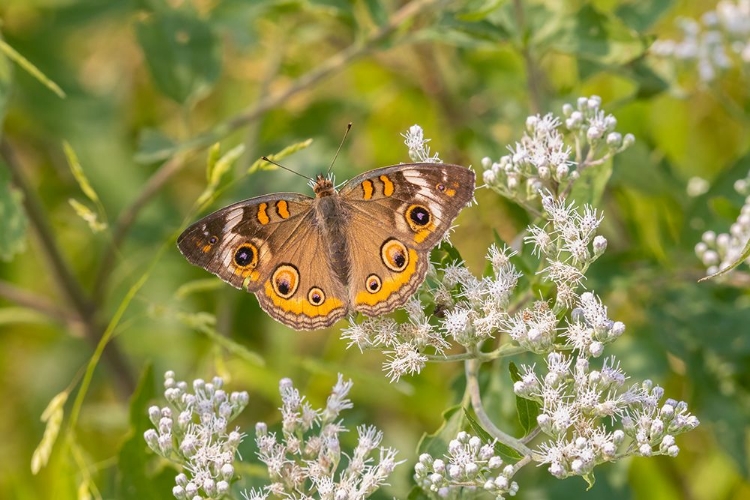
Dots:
{"x": 110, "y": 110}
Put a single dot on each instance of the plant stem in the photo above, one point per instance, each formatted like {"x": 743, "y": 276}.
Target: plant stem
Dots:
{"x": 472, "y": 386}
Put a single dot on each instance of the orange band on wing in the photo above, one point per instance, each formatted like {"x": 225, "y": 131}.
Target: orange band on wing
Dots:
{"x": 367, "y": 190}
{"x": 423, "y": 233}
{"x": 301, "y": 306}
{"x": 389, "y": 285}
{"x": 282, "y": 208}
{"x": 387, "y": 185}
{"x": 263, "y": 214}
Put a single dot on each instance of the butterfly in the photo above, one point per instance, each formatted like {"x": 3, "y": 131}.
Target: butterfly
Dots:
{"x": 311, "y": 261}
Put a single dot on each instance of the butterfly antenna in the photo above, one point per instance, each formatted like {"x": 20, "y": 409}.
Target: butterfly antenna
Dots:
{"x": 343, "y": 139}
{"x": 266, "y": 158}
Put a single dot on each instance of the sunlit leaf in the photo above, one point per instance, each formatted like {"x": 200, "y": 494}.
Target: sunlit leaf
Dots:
{"x": 88, "y": 215}
{"x": 24, "y": 63}
{"x": 261, "y": 164}
{"x": 6, "y": 82}
{"x": 217, "y": 169}
{"x": 53, "y": 416}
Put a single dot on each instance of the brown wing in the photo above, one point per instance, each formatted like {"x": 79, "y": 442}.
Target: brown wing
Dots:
{"x": 272, "y": 247}
{"x": 398, "y": 214}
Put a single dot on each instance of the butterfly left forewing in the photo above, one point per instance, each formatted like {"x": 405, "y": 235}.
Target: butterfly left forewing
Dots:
{"x": 397, "y": 215}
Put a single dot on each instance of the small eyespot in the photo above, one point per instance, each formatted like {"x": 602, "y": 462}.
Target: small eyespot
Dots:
{"x": 316, "y": 296}
{"x": 246, "y": 256}
{"x": 212, "y": 240}
{"x": 373, "y": 283}
{"x": 440, "y": 186}
{"x": 285, "y": 280}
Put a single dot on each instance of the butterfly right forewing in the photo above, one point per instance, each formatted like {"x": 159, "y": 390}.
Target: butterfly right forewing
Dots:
{"x": 271, "y": 246}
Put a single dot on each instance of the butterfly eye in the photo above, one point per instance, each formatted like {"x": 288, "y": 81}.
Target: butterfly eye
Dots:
{"x": 394, "y": 255}
{"x": 373, "y": 283}
{"x": 316, "y": 296}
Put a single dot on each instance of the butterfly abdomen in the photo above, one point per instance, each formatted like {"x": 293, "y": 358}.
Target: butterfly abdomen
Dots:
{"x": 333, "y": 218}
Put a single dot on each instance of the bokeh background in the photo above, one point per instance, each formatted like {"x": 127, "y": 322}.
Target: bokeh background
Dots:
{"x": 149, "y": 85}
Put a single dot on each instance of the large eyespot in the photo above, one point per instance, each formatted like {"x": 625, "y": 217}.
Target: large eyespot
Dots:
{"x": 373, "y": 284}
{"x": 246, "y": 256}
{"x": 285, "y": 280}
{"x": 417, "y": 216}
{"x": 394, "y": 255}
{"x": 316, "y": 296}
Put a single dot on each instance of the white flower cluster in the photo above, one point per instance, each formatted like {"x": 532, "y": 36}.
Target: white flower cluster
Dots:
{"x": 306, "y": 462}
{"x": 470, "y": 465}
{"x": 588, "y": 415}
{"x": 542, "y": 159}
{"x": 708, "y": 44}
{"x": 419, "y": 151}
{"x": 472, "y": 309}
{"x": 192, "y": 431}
{"x": 718, "y": 251}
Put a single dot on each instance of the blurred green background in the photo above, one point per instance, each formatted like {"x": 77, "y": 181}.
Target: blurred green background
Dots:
{"x": 150, "y": 84}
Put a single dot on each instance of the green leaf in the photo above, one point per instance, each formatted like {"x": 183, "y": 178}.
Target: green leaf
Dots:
{"x": 528, "y": 410}
{"x": 416, "y": 493}
{"x": 640, "y": 15}
{"x": 153, "y": 146}
{"x": 436, "y": 444}
{"x": 446, "y": 254}
{"x": 506, "y": 452}
{"x": 6, "y": 82}
{"x": 24, "y": 63}
{"x": 137, "y": 478}
{"x": 13, "y": 227}
{"x": 77, "y": 170}
{"x": 377, "y": 11}
{"x": 590, "y": 480}
{"x": 182, "y": 53}
{"x": 589, "y": 187}
{"x": 217, "y": 168}
{"x": 53, "y": 416}
{"x": 97, "y": 222}
{"x": 87, "y": 215}
{"x": 590, "y": 34}
{"x": 261, "y": 164}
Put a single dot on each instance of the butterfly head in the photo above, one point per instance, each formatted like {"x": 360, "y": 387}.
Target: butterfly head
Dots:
{"x": 323, "y": 186}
